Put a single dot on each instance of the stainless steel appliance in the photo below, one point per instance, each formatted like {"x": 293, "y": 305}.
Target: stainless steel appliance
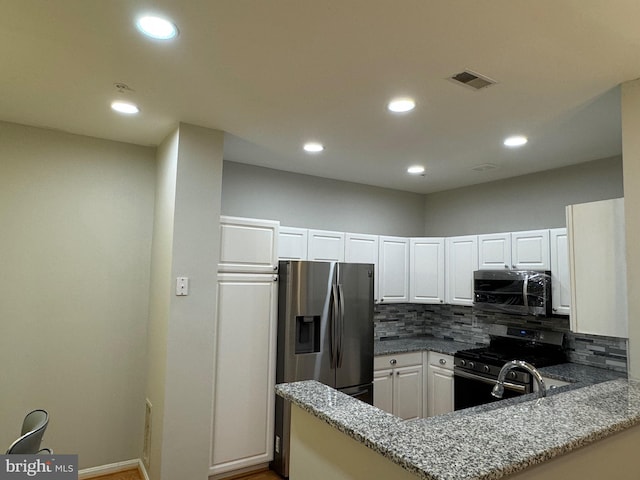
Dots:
{"x": 521, "y": 292}
{"x": 325, "y": 333}
{"x": 476, "y": 370}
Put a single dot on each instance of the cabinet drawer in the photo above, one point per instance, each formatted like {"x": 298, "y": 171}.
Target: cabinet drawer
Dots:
{"x": 399, "y": 360}
{"x": 441, "y": 360}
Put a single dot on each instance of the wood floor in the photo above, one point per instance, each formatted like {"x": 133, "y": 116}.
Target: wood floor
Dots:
{"x": 135, "y": 475}
{"x": 126, "y": 475}
{"x": 265, "y": 475}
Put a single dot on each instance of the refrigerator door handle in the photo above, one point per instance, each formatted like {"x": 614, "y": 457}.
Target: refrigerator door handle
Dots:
{"x": 334, "y": 326}
{"x": 340, "y": 324}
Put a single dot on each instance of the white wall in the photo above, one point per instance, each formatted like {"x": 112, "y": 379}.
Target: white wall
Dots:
{"x": 522, "y": 203}
{"x": 76, "y": 224}
{"x": 312, "y": 202}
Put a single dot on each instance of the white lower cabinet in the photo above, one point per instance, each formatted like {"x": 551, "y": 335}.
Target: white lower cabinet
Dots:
{"x": 243, "y": 410}
{"x": 439, "y": 384}
{"x": 397, "y": 384}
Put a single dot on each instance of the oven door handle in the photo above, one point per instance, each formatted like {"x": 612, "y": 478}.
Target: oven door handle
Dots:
{"x": 507, "y": 385}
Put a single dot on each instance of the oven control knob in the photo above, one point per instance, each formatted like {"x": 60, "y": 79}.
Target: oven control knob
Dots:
{"x": 463, "y": 363}
{"x": 513, "y": 375}
{"x": 472, "y": 365}
{"x": 486, "y": 368}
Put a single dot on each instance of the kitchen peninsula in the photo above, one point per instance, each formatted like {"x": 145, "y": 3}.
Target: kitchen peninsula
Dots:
{"x": 573, "y": 433}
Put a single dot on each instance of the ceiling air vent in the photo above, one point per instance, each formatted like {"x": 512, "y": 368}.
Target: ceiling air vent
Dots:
{"x": 472, "y": 80}
{"x": 484, "y": 167}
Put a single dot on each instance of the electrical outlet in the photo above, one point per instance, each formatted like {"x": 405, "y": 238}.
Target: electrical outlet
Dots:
{"x": 182, "y": 286}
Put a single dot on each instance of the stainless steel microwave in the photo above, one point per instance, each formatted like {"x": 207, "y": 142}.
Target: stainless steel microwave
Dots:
{"x": 520, "y": 292}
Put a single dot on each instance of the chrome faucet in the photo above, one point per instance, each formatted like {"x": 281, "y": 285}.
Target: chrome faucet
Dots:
{"x": 498, "y": 389}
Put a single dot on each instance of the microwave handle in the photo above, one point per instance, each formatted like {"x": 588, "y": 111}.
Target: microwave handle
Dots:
{"x": 525, "y": 290}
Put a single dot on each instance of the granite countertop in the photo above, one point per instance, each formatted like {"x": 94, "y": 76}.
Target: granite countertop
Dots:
{"x": 482, "y": 443}
{"x": 418, "y": 344}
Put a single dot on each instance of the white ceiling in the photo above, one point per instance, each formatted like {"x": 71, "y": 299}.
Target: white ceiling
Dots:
{"x": 276, "y": 73}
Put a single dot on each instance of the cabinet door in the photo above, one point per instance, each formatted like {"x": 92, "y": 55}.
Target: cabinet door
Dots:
{"x": 530, "y": 250}
{"x": 362, "y": 248}
{"x": 248, "y": 245}
{"x": 393, "y": 265}
{"x": 598, "y": 268}
{"x": 426, "y": 270}
{"x": 440, "y": 390}
{"x": 462, "y": 261}
{"x": 325, "y": 246}
{"x": 383, "y": 389}
{"x": 243, "y": 410}
{"x": 560, "y": 277}
{"x": 292, "y": 243}
{"x": 494, "y": 251}
{"x": 407, "y": 401}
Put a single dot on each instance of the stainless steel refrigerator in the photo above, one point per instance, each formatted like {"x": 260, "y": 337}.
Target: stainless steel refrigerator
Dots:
{"x": 325, "y": 333}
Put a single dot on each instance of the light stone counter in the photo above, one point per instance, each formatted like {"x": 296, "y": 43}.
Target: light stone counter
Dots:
{"x": 419, "y": 344}
{"x": 481, "y": 443}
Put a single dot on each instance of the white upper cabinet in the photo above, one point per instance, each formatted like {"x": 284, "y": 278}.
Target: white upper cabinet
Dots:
{"x": 560, "y": 277}
{"x": 530, "y": 250}
{"x": 527, "y": 250}
{"x": 363, "y": 248}
{"x": 597, "y": 258}
{"x": 393, "y": 267}
{"x": 248, "y": 245}
{"x": 494, "y": 251}
{"x": 325, "y": 246}
{"x": 426, "y": 270}
{"x": 462, "y": 261}
{"x": 292, "y": 243}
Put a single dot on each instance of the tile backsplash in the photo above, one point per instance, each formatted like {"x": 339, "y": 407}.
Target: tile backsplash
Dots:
{"x": 464, "y": 324}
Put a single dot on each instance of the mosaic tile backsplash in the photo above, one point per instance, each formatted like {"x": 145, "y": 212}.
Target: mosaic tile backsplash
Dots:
{"x": 464, "y": 324}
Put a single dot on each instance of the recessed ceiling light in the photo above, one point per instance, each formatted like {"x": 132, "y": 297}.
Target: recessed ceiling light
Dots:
{"x": 125, "y": 107}
{"x": 401, "y": 105}
{"x": 515, "y": 141}
{"x": 157, "y": 27}
{"x": 313, "y": 147}
{"x": 415, "y": 169}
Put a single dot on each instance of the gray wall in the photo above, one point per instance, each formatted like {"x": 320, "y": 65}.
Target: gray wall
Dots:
{"x": 522, "y": 203}
{"x": 311, "y": 202}
{"x": 77, "y": 222}
{"x": 182, "y": 329}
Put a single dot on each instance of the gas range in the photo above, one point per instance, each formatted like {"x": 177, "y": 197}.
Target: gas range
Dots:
{"x": 476, "y": 369}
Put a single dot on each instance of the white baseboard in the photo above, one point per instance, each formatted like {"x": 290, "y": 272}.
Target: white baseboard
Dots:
{"x": 92, "y": 472}
{"x": 142, "y": 469}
